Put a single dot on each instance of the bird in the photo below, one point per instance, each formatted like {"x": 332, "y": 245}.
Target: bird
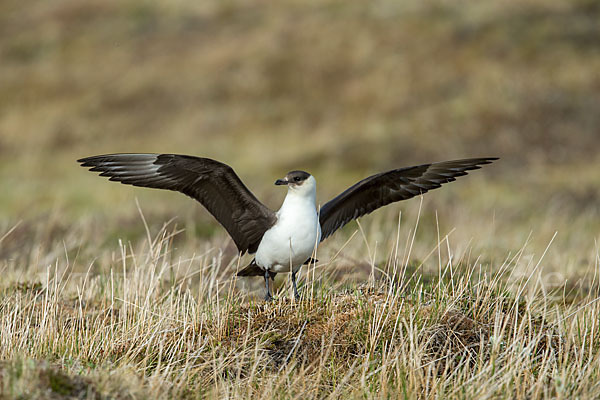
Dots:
{"x": 284, "y": 240}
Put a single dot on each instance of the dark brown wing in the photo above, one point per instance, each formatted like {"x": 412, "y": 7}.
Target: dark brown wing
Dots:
{"x": 387, "y": 187}
{"x": 214, "y": 184}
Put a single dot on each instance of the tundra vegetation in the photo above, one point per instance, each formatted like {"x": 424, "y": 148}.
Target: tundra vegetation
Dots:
{"x": 485, "y": 288}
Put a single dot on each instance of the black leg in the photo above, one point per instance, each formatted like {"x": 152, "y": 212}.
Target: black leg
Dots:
{"x": 296, "y": 295}
{"x": 268, "y": 296}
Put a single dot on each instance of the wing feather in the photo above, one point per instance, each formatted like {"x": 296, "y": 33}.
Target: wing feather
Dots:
{"x": 384, "y": 188}
{"x": 214, "y": 184}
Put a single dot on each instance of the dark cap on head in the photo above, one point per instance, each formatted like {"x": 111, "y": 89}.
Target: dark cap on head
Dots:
{"x": 293, "y": 178}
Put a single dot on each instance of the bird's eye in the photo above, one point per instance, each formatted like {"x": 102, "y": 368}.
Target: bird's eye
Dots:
{"x": 297, "y": 179}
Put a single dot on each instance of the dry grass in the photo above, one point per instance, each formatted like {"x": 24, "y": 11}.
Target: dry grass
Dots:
{"x": 159, "y": 326}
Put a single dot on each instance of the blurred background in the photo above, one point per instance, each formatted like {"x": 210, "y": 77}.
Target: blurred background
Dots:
{"x": 342, "y": 89}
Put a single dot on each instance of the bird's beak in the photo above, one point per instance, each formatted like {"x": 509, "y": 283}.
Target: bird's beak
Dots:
{"x": 281, "y": 182}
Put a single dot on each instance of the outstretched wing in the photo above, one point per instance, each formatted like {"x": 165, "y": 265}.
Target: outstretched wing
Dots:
{"x": 214, "y": 184}
{"x": 387, "y": 187}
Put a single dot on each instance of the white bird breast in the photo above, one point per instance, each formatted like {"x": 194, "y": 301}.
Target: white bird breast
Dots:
{"x": 291, "y": 241}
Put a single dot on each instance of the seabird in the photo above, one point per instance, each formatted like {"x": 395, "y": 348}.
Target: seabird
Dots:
{"x": 284, "y": 240}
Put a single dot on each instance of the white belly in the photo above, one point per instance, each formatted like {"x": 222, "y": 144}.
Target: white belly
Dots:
{"x": 291, "y": 241}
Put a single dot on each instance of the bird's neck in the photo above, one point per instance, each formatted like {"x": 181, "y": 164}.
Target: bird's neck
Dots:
{"x": 295, "y": 199}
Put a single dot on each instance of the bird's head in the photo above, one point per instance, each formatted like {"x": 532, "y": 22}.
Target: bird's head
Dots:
{"x": 298, "y": 181}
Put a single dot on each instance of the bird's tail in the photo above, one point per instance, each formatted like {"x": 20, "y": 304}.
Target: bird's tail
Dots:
{"x": 254, "y": 270}
{"x": 251, "y": 270}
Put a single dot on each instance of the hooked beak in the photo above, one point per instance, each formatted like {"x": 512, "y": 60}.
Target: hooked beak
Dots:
{"x": 281, "y": 182}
